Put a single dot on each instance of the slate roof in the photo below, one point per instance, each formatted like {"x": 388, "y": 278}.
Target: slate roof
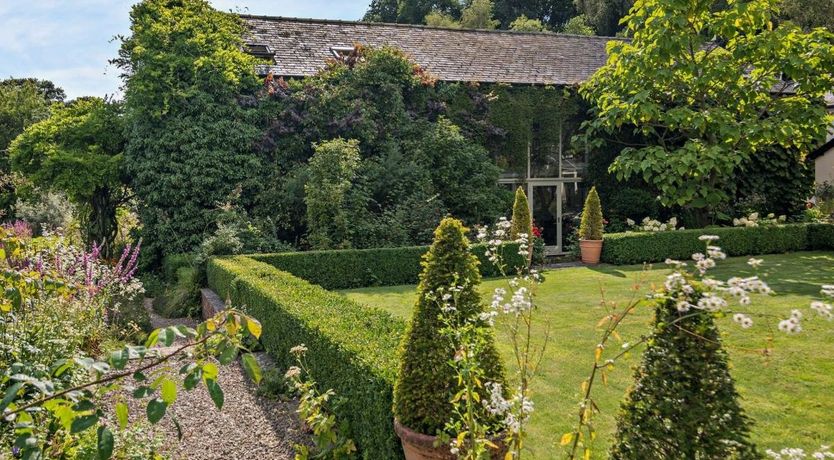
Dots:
{"x": 302, "y": 46}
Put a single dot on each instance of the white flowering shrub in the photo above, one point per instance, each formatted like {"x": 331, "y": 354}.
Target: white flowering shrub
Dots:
{"x": 653, "y": 225}
{"x": 754, "y": 220}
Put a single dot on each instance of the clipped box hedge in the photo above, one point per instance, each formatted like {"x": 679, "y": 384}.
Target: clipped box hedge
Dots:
{"x": 650, "y": 247}
{"x": 353, "y": 349}
{"x": 352, "y": 268}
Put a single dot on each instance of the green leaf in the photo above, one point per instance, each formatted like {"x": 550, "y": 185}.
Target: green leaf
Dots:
{"x": 153, "y": 337}
{"x": 122, "y": 414}
{"x": 118, "y": 359}
{"x": 215, "y": 392}
{"x": 10, "y": 395}
{"x": 156, "y": 410}
{"x": 228, "y": 354}
{"x": 105, "y": 443}
{"x": 252, "y": 368}
{"x": 191, "y": 380}
{"x": 169, "y": 391}
{"x": 209, "y": 371}
{"x": 142, "y": 392}
{"x": 83, "y": 422}
{"x": 254, "y": 327}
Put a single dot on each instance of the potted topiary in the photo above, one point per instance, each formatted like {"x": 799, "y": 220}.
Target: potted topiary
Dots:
{"x": 426, "y": 382}
{"x": 522, "y": 222}
{"x": 590, "y": 229}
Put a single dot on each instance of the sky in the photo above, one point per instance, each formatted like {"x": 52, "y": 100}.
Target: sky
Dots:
{"x": 70, "y": 41}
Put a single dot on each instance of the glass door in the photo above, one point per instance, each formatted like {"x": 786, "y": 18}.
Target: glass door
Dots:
{"x": 545, "y": 204}
{"x": 556, "y": 206}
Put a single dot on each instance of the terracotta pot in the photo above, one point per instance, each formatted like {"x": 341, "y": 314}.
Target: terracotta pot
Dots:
{"x": 419, "y": 446}
{"x": 590, "y": 250}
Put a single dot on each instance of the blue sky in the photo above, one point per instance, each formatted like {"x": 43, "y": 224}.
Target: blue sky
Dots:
{"x": 69, "y": 41}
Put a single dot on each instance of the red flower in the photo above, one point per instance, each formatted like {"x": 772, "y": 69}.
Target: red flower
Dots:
{"x": 537, "y": 231}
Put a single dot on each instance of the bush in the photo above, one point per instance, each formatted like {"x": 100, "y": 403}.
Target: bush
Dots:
{"x": 352, "y": 268}
{"x": 426, "y": 383}
{"x": 635, "y": 248}
{"x": 171, "y": 265}
{"x": 522, "y": 221}
{"x": 590, "y": 228}
{"x": 352, "y": 348}
{"x": 182, "y": 298}
{"x": 332, "y": 169}
{"x": 684, "y": 403}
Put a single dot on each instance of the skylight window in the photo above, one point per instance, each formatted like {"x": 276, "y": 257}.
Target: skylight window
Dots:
{"x": 341, "y": 52}
{"x": 259, "y": 50}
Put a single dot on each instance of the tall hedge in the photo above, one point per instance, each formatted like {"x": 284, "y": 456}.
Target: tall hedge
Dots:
{"x": 648, "y": 247}
{"x": 189, "y": 134}
{"x": 352, "y": 348}
{"x": 354, "y": 268}
{"x": 426, "y": 382}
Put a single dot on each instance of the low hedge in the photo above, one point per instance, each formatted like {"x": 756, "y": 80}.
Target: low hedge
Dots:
{"x": 649, "y": 247}
{"x": 353, "y": 268}
{"x": 353, "y": 349}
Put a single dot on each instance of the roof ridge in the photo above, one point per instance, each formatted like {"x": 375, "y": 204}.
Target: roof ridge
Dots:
{"x": 423, "y": 26}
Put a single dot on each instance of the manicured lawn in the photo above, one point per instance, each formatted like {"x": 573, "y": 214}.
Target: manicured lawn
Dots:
{"x": 789, "y": 392}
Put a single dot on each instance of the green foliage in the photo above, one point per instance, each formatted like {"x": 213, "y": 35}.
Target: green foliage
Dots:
{"x": 525, "y": 24}
{"x": 189, "y": 135}
{"x": 578, "y": 25}
{"x": 23, "y": 101}
{"x": 352, "y": 348}
{"x": 671, "y": 85}
{"x": 478, "y": 15}
{"x": 351, "y": 268}
{"x": 778, "y": 182}
{"x": 604, "y": 15}
{"x": 426, "y": 382}
{"x": 636, "y": 248}
{"x": 551, "y": 13}
{"x": 808, "y": 14}
{"x": 78, "y": 151}
{"x": 440, "y": 19}
{"x": 182, "y": 297}
{"x": 590, "y": 227}
{"x": 415, "y": 162}
{"x": 332, "y": 168}
{"x": 522, "y": 221}
{"x": 684, "y": 403}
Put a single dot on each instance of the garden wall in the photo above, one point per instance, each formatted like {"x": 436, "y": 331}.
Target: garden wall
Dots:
{"x": 353, "y": 268}
{"x": 353, "y": 348}
{"x": 649, "y": 247}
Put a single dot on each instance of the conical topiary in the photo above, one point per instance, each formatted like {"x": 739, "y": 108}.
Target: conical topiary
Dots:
{"x": 426, "y": 382}
{"x": 590, "y": 228}
{"x": 684, "y": 404}
{"x": 522, "y": 221}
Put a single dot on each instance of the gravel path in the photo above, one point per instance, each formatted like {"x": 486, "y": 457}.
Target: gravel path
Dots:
{"x": 248, "y": 427}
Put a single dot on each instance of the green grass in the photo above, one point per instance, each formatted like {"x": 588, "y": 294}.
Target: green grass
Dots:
{"x": 787, "y": 392}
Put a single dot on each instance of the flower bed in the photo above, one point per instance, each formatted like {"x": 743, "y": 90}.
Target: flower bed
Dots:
{"x": 649, "y": 247}
{"x": 353, "y": 348}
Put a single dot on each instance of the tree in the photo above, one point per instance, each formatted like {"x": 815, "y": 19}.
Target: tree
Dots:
{"x": 412, "y": 11}
{"x": 426, "y": 382}
{"x": 552, "y": 13}
{"x": 382, "y": 11}
{"x": 707, "y": 90}
{"x": 438, "y": 19}
{"x": 522, "y": 221}
{"x": 809, "y": 14}
{"x": 604, "y": 15}
{"x": 578, "y": 25}
{"x": 684, "y": 403}
{"x": 190, "y": 133}
{"x": 525, "y": 24}
{"x": 78, "y": 150}
{"x": 332, "y": 168}
{"x": 478, "y": 15}
{"x": 591, "y": 224}
{"x": 23, "y": 101}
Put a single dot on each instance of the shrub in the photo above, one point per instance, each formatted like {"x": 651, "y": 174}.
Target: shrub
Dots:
{"x": 172, "y": 263}
{"x": 590, "y": 228}
{"x": 352, "y": 348}
{"x": 635, "y": 248}
{"x": 332, "y": 169}
{"x": 426, "y": 382}
{"x": 352, "y": 268}
{"x": 684, "y": 403}
{"x": 181, "y": 299}
{"x": 522, "y": 221}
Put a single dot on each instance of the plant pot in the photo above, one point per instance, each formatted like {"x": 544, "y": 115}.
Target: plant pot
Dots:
{"x": 419, "y": 446}
{"x": 590, "y": 251}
